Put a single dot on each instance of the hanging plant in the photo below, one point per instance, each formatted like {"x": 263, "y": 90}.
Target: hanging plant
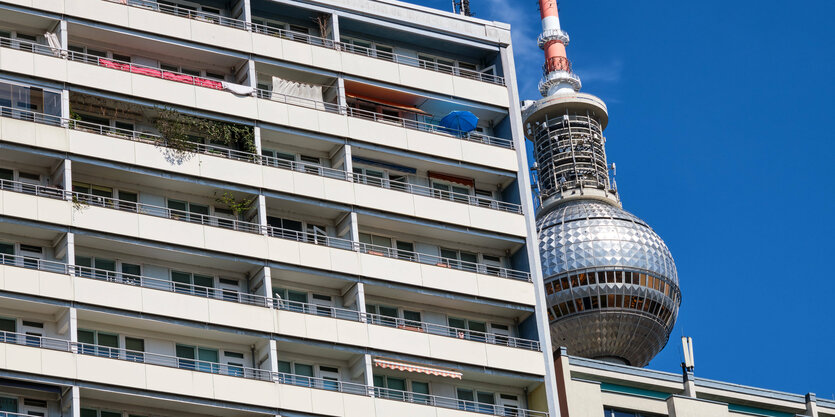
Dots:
{"x": 177, "y": 129}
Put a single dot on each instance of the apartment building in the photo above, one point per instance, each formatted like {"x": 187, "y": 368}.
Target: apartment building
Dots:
{"x": 595, "y": 388}
{"x": 253, "y": 207}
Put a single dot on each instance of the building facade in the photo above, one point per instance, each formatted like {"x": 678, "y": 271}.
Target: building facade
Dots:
{"x": 247, "y": 208}
{"x": 595, "y": 388}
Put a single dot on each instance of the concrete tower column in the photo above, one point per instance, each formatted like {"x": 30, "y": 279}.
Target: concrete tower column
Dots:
{"x": 811, "y": 405}
{"x": 523, "y": 178}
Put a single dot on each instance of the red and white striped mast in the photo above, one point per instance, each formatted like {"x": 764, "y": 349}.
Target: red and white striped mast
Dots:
{"x": 557, "y": 76}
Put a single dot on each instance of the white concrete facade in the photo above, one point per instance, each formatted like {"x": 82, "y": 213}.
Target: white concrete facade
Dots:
{"x": 250, "y": 208}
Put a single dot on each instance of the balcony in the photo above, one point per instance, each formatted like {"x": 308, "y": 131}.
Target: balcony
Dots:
{"x": 195, "y": 91}
{"x": 297, "y": 36}
{"x": 79, "y": 350}
{"x": 266, "y": 302}
{"x": 83, "y": 200}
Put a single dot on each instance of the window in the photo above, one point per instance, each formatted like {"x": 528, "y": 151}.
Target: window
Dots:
{"x": 285, "y": 228}
{"x": 292, "y": 300}
{"x": 7, "y": 253}
{"x": 7, "y": 329}
{"x": 296, "y": 373}
{"x": 194, "y": 284}
{"x": 311, "y": 164}
{"x": 368, "y": 48}
{"x": 95, "y": 267}
{"x": 449, "y": 191}
{"x": 471, "y": 400}
{"x": 323, "y": 304}
{"x": 234, "y": 363}
{"x": 134, "y": 349}
{"x": 97, "y": 343}
{"x": 608, "y": 412}
{"x": 229, "y": 289}
{"x": 8, "y": 404}
{"x": 467, "y": 329}
{"x": 330, "y": 377}
{"x": 459, "y": 259}
{"x": 386, "y": 316}
{"x": 390, "y": 387}
{"x": 197, "y": 358}
{"x": 183, "y": 210}
{"x": 279, "y": 159}
{"x": 379, "y": 245}
{"x": 448, "y": 66}
{"x": 34, "y": 332}
{"x": 92, "y": 412}
{"x": 31, "y": 255}
{"x": 370, "y": 176}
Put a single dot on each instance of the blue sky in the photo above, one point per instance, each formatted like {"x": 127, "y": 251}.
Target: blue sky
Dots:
{"x": 719, "y": 116}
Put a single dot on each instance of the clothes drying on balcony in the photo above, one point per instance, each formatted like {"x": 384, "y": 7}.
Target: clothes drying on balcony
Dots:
{"x": 167, "y": 75}
{"x": 239, "y": 89}
{"x": 308, "y": 92}
{"x": 54, "y": 44}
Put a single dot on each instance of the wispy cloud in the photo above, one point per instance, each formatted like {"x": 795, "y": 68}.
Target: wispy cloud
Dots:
{"x": 605, "y": 73}
{"x": 523, "y": 18}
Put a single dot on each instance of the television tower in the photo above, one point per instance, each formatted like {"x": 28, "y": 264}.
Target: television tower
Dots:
{"x": 611, "y": 282}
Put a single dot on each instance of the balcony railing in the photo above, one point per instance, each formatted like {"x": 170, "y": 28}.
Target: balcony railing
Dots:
{"x": 473, "y": 200}
{"x": 405, "y": 255}
{"x": 266, "y": 94}
{"x": 184, "y": 12}
{"x": 34, "y": 263}
{"x": 313, "y": 40}
{"x": 196, "y": 365}
{"x": 83, "y": 200}
{"x": 172, "y": 286}
{"x": 158, "y": 211}
{"x": 261, "y": 301}
{"x": 429, "y": 127}
{"x": 455, "y": 332}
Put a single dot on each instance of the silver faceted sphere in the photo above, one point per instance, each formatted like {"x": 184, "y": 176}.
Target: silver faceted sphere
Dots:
{"x": 611, "y": 282}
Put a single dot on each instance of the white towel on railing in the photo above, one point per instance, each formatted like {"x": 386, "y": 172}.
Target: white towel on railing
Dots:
{"x": 54, "y": 44}
{"x": 239, "y": 89}
{"x": 296, "y": 89}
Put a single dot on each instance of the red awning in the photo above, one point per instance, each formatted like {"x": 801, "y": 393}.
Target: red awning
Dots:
{"x": 400, "y": 366}
{"x": 452, "y": 178}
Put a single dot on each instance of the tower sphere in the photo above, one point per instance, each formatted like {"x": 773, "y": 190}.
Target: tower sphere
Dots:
{"x": 611, "y": 282}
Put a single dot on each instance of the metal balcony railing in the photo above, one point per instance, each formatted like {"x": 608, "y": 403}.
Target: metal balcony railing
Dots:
{"x": 473, "y": 200}
{"x": 174, "y": 214}
{"x": 262, "y": 301}
{"x": 265, "y": 94}
{"x": 405, "y": 255}
{"x": 82, "y": 200}
{"x": 454, "y": 332}
{"x": 429, "y": 127}
{"x": 34, "y": 263}
{"x": 172, "y": 286}
{"x": 219, "y": 151}
{"x": 314, "y": 40}
{"x": 189, "y": 364}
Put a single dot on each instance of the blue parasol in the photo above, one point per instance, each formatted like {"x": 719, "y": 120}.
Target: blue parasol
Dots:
{"x": 460, "y": 120}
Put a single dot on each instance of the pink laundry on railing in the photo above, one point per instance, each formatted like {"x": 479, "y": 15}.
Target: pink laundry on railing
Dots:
{"x": 146, "y": 71}
{"x": 151, "y": 72}
{"x": 183, "y": 78}
{"x": 216, "y": 85}
{"x": 115, "y": 65}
